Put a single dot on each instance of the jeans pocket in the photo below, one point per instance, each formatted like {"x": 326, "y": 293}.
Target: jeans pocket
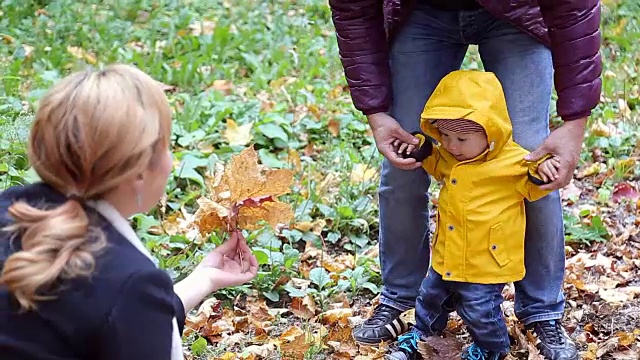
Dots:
{"x": 496, "y": 245}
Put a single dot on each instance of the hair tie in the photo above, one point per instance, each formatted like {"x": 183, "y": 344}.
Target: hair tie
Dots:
{"x": 75, "y": 197}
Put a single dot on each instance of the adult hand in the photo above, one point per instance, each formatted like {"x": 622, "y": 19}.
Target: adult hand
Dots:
{"x": 387, "y": 132}
{"x": 230, "y": 264}
{"x": 565, "y": 143}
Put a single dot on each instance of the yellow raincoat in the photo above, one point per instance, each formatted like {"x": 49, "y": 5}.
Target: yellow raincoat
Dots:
{"x": 481, "y": 217}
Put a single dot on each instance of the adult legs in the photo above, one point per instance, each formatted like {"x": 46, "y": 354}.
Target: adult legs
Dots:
{"x": 424, "y": 51}
{"x": 525, "y": 69}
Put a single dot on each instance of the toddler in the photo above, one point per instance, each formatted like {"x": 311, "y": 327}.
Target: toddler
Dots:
{"x": 478, "y": 245}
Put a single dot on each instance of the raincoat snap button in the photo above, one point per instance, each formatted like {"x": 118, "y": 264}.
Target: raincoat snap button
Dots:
{"x": 448, "y": 274}
{"x": 454, "y": 181}
{"x": 493, "y": 247}
{"x": 450, "y": 227}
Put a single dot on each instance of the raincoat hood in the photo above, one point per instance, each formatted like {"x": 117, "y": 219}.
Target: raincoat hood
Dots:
{"x": 473, "y": 95}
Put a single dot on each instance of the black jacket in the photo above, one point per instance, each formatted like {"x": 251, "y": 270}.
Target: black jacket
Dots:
{"x": 123, "y": 311}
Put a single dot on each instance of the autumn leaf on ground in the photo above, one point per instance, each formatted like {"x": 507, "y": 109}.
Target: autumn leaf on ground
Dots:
{"x": 238, "y": 135}
{"x": 243, "y": 194}
{"x": 294, "y": 343}
{"x": 362, "y": 173}
{"x": 625, "y": 190}
{"x": 224, "y": 86}
{"x": 436, "y": 347}
{"x": 202, "y": 27}
{"x": 209, "y": 311}
{"x": 82, "y": 54}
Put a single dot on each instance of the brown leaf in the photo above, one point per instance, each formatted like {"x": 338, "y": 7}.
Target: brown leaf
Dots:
{"x": 339, "y": 263}
{"x": 209, "y": 311}
{"x": 222, "y": 326}
{"x": 607, "y": 347}
{"x": 304, "y": 307}
{"x": 336, "y": 316}
{"x": 334, "y": 127}
{"x": 265, "y": 351}
{"x": 342, "y": 335}
{"x": 7, "y": 39}
{"x": 297, "y": 347}
{"x": 436, "y": 347}
{"x": 258, "y": 310}
{"x": 223, "y": 86}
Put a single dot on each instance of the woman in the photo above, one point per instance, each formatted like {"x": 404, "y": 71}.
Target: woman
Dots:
{"x": 76, "y": 281}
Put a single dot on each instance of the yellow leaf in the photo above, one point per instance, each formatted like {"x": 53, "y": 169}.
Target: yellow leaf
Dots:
{"x": 243, "y": 194}
{"x": 362, "y": 173}
{"x": 273, "y": 213}
{"x": 294, "y": 160}
{"x": 620, "y": 27}
{"x": 591, "y": 170}
{"x": 600, "y": 129}
{"x": 238, "y": 135}
{"x": 626, "y": 338}
{"x": 210, "y": 216}
{"x": 337, "y": 316}
{"x": 202, "y": 27}
{"x": 246, "y": 179}
{"x": 228, "y": 356}
{"x": 82, "y": 54}
{"x": 315, "y": 110}
{"x": 291, "y": 334}
{"x": 224, "y": 86}
{"x": 7, "y": 39}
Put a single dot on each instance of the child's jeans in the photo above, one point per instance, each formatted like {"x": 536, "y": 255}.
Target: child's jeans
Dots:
{"x": 477, "y": 304}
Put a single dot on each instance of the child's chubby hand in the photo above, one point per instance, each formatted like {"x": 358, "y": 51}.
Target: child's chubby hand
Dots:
{"x": 418, "y": 152}
{"x": 549, "y": 169}
{"x": 403, "y": 149}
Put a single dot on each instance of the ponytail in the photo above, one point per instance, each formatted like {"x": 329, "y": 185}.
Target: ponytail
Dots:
{"x": 56, "y": 244}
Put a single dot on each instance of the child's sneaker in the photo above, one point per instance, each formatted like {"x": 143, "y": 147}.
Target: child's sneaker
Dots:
{"x": 474, "y": 352}
{"x": 407, "y": 347}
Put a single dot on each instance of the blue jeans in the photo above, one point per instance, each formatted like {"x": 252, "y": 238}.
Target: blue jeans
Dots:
{"x": 477, "y": 304}
{"x": 431, "y": 44}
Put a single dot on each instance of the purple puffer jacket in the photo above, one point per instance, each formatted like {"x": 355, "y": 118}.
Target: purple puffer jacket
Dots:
{"x": 569, "y": 27}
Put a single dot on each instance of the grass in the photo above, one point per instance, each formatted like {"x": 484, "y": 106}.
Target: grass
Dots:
{"x": 275, "y": 65}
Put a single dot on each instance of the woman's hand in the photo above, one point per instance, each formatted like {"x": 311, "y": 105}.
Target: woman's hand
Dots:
{"x": 230, "y": 264}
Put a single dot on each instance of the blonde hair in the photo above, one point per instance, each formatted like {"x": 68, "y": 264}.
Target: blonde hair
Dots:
{"x": 92, "y": 131}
